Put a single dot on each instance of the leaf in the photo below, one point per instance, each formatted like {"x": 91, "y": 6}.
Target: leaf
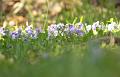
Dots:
{"x": 81, "y": 19}
{"x": 75, "y": 20}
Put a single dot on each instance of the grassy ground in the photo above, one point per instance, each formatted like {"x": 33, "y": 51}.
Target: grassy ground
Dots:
{"x": 71, "y": 57}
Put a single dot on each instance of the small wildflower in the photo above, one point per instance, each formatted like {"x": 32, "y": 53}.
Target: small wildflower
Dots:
{"x": 29, "y": 30}
{"x": 88, "y": 28}
{"x": 71, "y": 28}
{"x": 80, "y": 25}
{"x": 2, "y": 31}
{"x": 52, "y": 30}
{"x": 79, "y": 32}
{"x": 111, "y": 26}
{"x": 14, "y": 35}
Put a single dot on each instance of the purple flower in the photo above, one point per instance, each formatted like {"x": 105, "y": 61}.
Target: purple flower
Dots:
{"x": 79, "y": 32}
{"x": 71, "y": 28}
{"x": 96, "y": 25}
{"x": 29, "y": 30}
{"x": 80, "y": 26}
{"x": 38, "y": 30}
{"x": 52, "y": 30}
{"x": 2, "y": 31}
{"x": 15, "y": 35}
{"x": 52, "y": 27}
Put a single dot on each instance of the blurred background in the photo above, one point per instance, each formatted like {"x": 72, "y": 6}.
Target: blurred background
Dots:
{"x": 45, "y": 12}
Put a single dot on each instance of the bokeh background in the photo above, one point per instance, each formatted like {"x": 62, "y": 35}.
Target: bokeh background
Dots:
{"x": 45, "y": 12}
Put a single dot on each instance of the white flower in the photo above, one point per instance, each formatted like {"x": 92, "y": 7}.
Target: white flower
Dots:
{"x": 52, "y": 30}
{"x": 60, "y": 26}
{"x": 96, "y": 25}
{"x": 112, "y": 26}
{"x": 2, "y": 31}
{"x": 88, "y": 28}
{"x": 29, "y": 30}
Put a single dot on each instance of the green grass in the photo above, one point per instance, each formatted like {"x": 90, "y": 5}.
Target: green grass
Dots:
{"x": 77, "y": 61}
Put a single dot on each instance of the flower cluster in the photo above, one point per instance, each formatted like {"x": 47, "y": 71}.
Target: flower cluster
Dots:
{"x": 54, "y": 30}
{"x": 20, "y": 32}
{"x": 68, "y": 29}
{"x": 81, "y": 29}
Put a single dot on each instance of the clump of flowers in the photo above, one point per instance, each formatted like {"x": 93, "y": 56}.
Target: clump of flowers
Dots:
{"x": 60, "y": 29}
{"x": 55, "y": 30}
{"x": 16, "y": 34}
